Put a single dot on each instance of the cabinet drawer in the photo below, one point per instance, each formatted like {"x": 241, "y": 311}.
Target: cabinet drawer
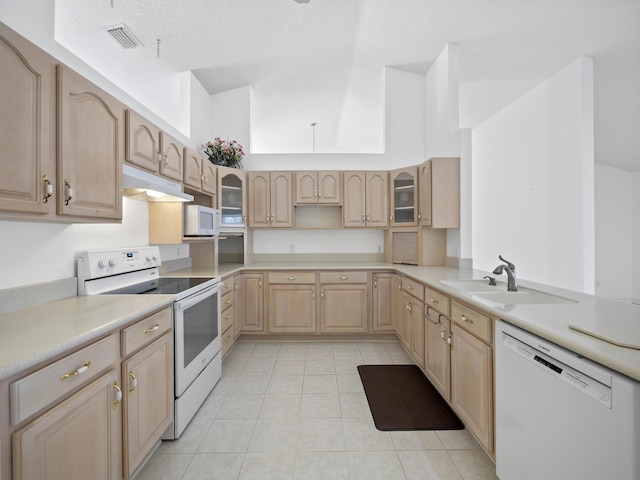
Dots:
{"x": 227, "y": 341}
{"x": 477, "y": 323}
{"x": 414, "y": 288}
{"x": 227, "y": 300}
{"x": 227, "y": 285}
{"x": 45, "y": 386}
{"x": 292, "y": 277}
{"x": 145, "y": 331}
{"x": 437, "y": 301}
{"x": 227, "y": 318}
{"x": 343, "y": 277}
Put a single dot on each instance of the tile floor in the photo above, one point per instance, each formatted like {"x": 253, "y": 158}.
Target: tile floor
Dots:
{"x": 297, "y": 410}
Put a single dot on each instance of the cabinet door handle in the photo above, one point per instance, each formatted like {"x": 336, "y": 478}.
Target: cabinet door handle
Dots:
{"x": 155, "y": 328}
{"x": 375, "y": 284}
{"x": 156, "y": 161}
{"x": 133, "y": 382}
{"x": 449, "y": 339}
{"x": 77, "y": 372}
{"x": 205, "y": 180}
{"x": 321, "y": 293}
{"x": 48, "y": 188}
{"x": 68, "y": 192}
{"x": 118, "y": 395}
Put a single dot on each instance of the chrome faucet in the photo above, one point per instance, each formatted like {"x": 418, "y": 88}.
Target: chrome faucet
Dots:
{"x": 510, "y": 270}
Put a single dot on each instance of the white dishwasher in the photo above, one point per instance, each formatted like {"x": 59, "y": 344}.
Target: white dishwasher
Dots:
{"x": 560, "y": 416}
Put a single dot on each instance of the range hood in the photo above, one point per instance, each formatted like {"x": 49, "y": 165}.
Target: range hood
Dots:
{"x": 147, "y": 187}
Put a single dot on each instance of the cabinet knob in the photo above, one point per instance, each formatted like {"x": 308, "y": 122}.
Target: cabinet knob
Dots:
{"x": 68, "y": 192}
{"x": 48, "y": 188}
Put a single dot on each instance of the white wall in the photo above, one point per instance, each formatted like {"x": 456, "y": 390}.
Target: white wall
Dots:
{"x": 613, "y": 239}
{"x": 41, "y": 252}
{"x": 533, "y": 192}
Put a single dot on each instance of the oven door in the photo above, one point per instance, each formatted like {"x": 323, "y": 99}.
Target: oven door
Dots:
{"x": 197, "y": 332}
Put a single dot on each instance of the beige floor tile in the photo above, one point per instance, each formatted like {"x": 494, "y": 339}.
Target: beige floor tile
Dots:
{"x": 361, "y": 434}
{"x": 457, "y": 440}
{"x": 251, "y": 384}
{"x": 320, "y": 435}
{"x": 319, "y": 367}
{"x": 285, "y": 384}
{"x": 286, "y": 405}
{"x": 374, "y": 466}
{"x": 211, "y": 406}
{"x": 473, "y": 464}
{"x": 323, "y": 405}
{"x": 348, "y": 367}
{"x": 371, "y": 348}
{"x": 350, "y": 383}
{"x": 354, "y": 405}
{"x": 289, "y": 367}
{"x": 266, "y": 349}
{"x": 241, "y": 406}
{"x": 166, "y": 466}
{"x": 433, "y": 464}
{"x": 228, "y": 436}
{"x": 321, "y": 466}
{"x": 346, "y": 351}
{"x": 416, "y": 440}
{"x": 377, "y": 359}
{"x": 191, "y": 438}
{"x": 320, "y": 384}
{"x": 274, "y": 435}
{"x": 224, "y": 385}
{"x": 267, "y": 466}
{"x": 259, "y": 366}
{"x": 319, "y": 351}
{"x": 221, "y": 466}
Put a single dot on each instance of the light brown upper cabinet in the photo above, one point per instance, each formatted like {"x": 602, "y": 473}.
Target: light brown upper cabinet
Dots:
{"x": 90, "y": 147}
{"x": 318, "y": 188}
{"x": 270, "y": 199}
{"x": 232, "y": 197}
{"x": 365, "y": 199}
{"x": 152, "y": 149}
{"x": 403, "y": 196}
{"x": 27, "y": 126}
{"x": 440, "y": 193}
{"x": 199, "y": 173}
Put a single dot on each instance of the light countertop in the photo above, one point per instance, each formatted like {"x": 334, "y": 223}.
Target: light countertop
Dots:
{"x": 37, "y": 334}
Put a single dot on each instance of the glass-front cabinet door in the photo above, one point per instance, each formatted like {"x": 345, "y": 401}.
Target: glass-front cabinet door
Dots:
{"x": 403, "y": 195}
{"x": 231, "y": 197}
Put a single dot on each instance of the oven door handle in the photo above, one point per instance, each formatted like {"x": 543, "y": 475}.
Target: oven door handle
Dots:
{"x": 197, "y": 297}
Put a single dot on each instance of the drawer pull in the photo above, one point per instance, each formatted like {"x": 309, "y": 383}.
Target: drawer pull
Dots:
{"x": 292, "y": 278}
{"x": 227, "y": 338}
{"x": 227, "y": 301}
{"x": 410, "y": 287}
{"x": 465, "y": 319}
{"x": 152, "y": 329}
{"x": 343, "y": 277}
{"x": 79, "y": 371}
{"x": 433, "y": 300}
{"x": 118, "y": 395}
{"x": 133, "y": 383}
{"x": 227, "y": 317}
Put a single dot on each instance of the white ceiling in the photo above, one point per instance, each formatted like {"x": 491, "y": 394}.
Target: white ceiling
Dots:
{"x": 286, "y": 48}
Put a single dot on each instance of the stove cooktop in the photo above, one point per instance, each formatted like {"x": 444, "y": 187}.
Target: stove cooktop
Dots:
{"x": 158, "y": 286}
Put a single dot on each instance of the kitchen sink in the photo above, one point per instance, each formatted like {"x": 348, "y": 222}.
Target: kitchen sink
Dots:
{"x": 523, "y": 296}
{"x": 475, "y": 285}
{"x": 498, "y": 295}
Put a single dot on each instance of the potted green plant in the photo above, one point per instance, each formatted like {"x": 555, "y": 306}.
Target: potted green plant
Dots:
{"x": 224, "y": 152}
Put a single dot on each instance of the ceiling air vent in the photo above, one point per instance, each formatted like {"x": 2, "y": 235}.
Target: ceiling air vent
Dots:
{"x": 123, "y": 36}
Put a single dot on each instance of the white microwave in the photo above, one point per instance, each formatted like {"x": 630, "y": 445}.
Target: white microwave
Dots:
{"x": 200, "y": 221}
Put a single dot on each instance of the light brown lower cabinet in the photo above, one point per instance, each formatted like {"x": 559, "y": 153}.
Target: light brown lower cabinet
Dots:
{"x": 148, "y": 405}
{"x": 78, "y": 439}
{"x": 383, "y": 304}
{"x": 250, "y": 295}
{"x": 438, "y": 352}
{"x": 344, "y": 299}
{"x": 292, "y": 302}
{"x": 414, "y": 328}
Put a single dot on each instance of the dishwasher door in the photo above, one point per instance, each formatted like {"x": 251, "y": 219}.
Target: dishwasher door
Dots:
{"x": 560, "y": 416}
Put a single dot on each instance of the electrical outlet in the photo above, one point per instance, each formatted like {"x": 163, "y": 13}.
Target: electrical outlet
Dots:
{"x": 291, "y": 248}
{"x": 178, "y": 252}
{"x": 379, "y": 248}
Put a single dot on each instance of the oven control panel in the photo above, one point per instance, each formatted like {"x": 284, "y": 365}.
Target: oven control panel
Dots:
{"x": 94, "y": 264}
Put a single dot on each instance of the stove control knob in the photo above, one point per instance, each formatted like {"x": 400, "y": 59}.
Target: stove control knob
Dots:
{"x": 148, "y": 257}
{"x": 102, "y": 263}
{"x": 113, "y": 262}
